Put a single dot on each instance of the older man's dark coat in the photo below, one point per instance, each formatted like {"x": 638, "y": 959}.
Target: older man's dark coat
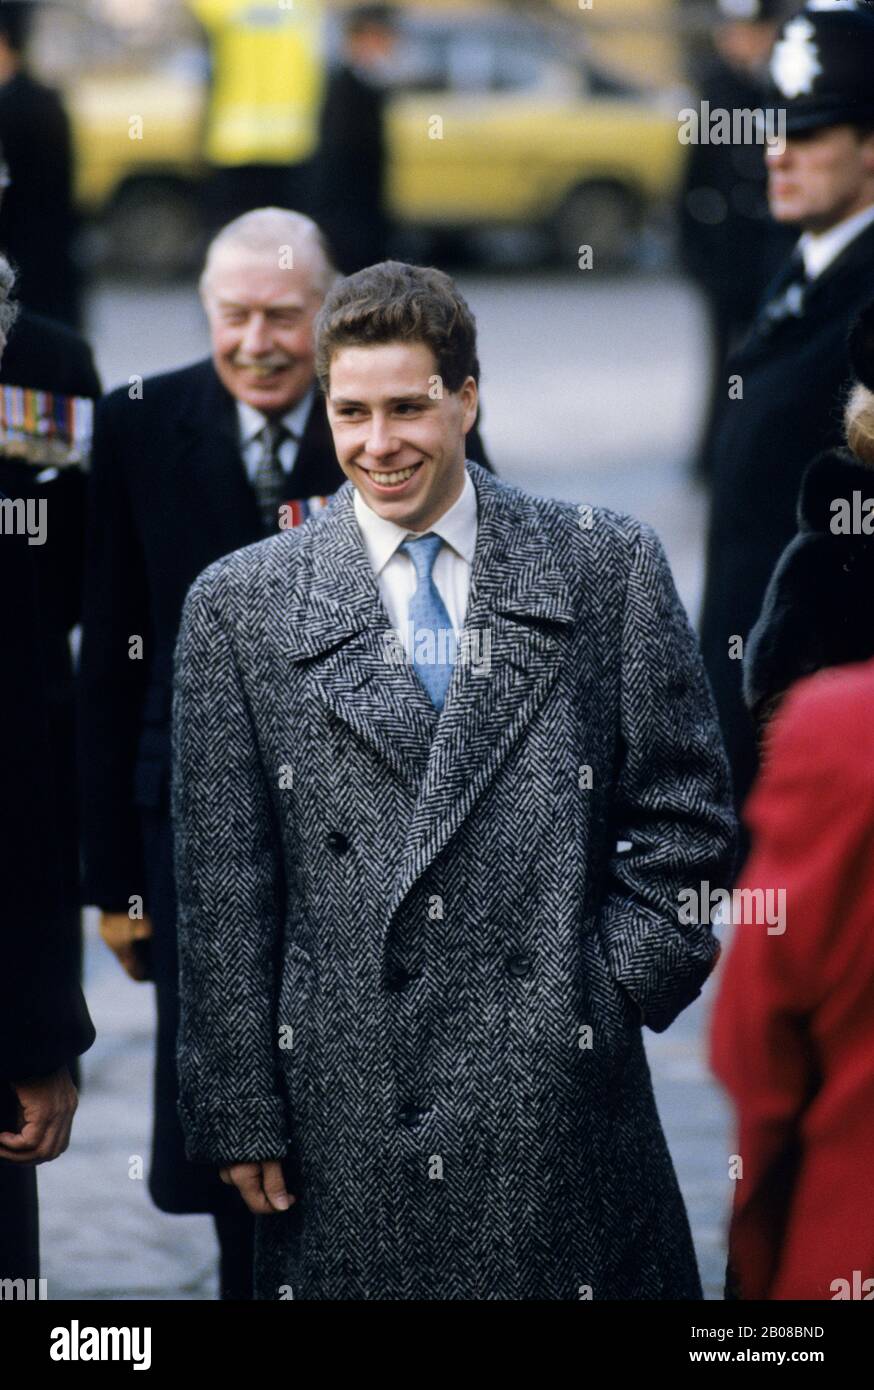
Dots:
{"x": 169, "y": 495}
{"x": 397, "y": 927}
{"x": 795, "y": 378}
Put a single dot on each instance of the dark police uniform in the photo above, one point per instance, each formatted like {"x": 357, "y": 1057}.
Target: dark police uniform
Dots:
{"x": 795, "y": 371}
{"x": 730, "y": 244}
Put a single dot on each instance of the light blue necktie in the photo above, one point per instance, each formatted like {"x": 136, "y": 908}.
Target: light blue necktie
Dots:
{"x": 428, "y": 615}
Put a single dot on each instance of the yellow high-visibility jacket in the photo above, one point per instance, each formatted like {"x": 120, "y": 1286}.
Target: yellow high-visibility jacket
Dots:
{"x": 268, "y": 73}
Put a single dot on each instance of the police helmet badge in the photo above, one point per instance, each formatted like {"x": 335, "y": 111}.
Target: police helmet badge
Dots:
{"x": 795, "y": 63}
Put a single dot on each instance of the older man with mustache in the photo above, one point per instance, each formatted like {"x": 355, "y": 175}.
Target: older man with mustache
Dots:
{"x": 195, "y": 464}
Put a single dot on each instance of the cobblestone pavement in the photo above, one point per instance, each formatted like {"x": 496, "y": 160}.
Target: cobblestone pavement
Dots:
{"x": 591, "y": 392}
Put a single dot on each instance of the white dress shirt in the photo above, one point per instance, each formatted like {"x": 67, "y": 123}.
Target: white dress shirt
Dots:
{"x": 820, "y": 249}
{"x": 252, "y": 422}
{"x": 395, "y": 572}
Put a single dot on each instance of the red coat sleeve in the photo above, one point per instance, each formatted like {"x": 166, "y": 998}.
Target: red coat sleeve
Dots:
{"x": 812, "y": 818}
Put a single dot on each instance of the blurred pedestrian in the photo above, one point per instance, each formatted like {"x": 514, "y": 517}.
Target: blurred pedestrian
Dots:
{"x": 818, "y": 610}
{"x": 350, "y": 170}
{"x": 203, "y": 461}
{"x": 267, "y": 74}
{"x": 44, "y": 1021}
{"x": 730, "y": 243}
{"x": 793, "y": 1023}
{"x": 789, "y": 378}
{"x": 38, "y": 219}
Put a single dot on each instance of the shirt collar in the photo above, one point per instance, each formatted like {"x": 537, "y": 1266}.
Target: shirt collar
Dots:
{"x": 820, "y": 250}
{"x": 252, "y": 421}
{"x": 457, "y": 527}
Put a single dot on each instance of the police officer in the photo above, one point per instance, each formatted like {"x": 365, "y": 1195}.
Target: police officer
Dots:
{"x": 784, "y": 387}
{"x": 731, "y": 246}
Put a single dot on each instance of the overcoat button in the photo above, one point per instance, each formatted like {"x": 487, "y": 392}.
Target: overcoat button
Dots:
{"x": 337, "y": 841}
{"x": 519, "y": 965}
{"x": 410, "y": 1115}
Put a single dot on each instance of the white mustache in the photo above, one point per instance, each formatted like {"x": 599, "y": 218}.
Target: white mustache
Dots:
{"x": 266, "y": 363}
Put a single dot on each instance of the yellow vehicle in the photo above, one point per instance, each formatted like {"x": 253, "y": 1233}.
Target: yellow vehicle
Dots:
{"x": 496, "y": 119}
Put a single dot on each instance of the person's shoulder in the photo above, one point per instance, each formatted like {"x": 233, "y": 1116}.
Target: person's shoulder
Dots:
{"x": 826, "y": 718}
{"x": 583, "y": 534}
{"x": 230, "y": 581}
{"x": 48, "y": 355}
{"x": 177, "y": 387}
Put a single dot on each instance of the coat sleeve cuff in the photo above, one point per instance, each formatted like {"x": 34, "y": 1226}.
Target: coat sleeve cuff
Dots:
{"x": 252, "y": 1130}
{"x": 661, "y": 965}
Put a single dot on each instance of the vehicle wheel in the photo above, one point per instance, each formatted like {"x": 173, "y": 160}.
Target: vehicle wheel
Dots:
{"x": 603, "y": 216}
{"x": 154, "y": 229}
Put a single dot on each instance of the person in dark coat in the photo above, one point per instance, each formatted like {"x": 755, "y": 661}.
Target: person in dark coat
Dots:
{"x": 182, "y": 474}
{"x": 44, "y": 1021}
{"x": 730, "y": 244}
{"x": 38, "y": 218}
{"x": 428, "y": 902}
{"x": 350, "y": 164}
{"x": 818, "y": 611}
{"x": 789, "y": 379}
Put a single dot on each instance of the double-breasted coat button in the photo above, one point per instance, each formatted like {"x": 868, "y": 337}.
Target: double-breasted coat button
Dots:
{"x": 519, "y": 965}
{"x": 337, "y": 841}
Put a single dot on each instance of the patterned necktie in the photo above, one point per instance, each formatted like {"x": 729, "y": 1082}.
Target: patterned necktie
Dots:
{"x": 432, "y": 652}
{"x": 270, "y": 480}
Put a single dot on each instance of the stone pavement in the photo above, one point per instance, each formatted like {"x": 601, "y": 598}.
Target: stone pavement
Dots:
{"x": 591, "y": 392}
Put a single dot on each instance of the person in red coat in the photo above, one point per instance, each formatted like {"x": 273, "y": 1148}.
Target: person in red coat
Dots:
{"x": 792, "y": 1031}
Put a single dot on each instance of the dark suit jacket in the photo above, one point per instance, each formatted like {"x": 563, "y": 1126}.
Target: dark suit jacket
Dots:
{"x": 169, "y": 496}
{"x": 44, "y": 1022}
{"x": 795, "y": 379}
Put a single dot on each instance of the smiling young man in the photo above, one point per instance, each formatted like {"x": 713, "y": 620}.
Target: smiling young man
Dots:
{"x": 426, "y": 909}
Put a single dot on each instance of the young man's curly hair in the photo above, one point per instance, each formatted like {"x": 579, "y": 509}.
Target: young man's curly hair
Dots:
{"x": 397, "y": 303}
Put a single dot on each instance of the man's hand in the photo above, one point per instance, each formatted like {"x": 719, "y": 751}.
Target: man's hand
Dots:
{"x": 47, "y": 1104}
{"x": 122, "y": 935}
{"x": 261, "y": 1185}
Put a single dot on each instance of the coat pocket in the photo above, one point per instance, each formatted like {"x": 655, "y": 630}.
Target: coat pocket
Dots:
{"x": 615, "y": 1015}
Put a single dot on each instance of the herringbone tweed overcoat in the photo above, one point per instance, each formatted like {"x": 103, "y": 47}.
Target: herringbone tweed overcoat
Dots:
{"x": 415, "y": 953}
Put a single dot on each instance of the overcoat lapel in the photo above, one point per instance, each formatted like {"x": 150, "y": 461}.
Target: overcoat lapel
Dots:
{"x": 339, "y": 627}
{"x": 521, "y": 607}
